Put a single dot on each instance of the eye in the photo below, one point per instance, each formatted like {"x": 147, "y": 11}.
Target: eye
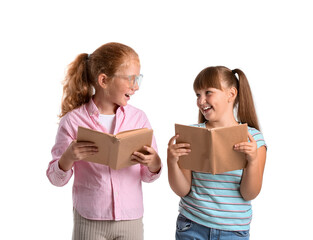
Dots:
{"x": 197, "y": 95}
{"x": 132, "y": 79}
{"x": 208, "y": 92}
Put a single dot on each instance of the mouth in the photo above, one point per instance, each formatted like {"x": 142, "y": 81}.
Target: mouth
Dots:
{"x": 128, "y": 95}
{"x": 206, "y": 109}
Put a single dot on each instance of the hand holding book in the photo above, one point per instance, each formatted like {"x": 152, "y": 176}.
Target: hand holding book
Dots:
{"x": 76, "y": 151}
{"x": 117, "y": 150}
{"x": 248, "y": 148}
{"x": 213, "y": 149}
{"x": 176, "y": 150}
{"x": 149, "y": 158}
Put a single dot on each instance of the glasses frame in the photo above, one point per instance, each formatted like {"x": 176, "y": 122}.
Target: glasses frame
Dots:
{"x": 132, "y": 79}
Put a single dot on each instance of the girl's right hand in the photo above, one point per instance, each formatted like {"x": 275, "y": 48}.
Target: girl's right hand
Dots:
{"x": 76, "y": 151}
{"x": 175, "y": 150}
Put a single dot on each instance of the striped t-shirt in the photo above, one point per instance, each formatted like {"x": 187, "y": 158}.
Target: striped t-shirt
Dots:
{"x": 215, "y": 200}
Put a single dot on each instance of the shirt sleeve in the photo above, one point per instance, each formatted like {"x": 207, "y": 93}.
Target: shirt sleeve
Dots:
{"x": 258, "y": 137}
{"x": 63, "y": 139}
{"x": 146, "y": 175}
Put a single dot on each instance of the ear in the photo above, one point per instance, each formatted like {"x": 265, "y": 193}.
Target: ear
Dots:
{"x": 103, "y": 80}
{"x": 232, "y": 94}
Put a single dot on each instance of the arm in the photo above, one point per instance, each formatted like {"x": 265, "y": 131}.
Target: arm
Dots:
{"x": 76, "y": 151}
{"x": 150, "y": 162}
{"x": 64, "y": 154}
{"x": 251, "y": 182}
{"x": 150, "y": 159}
{"x": 179, "y": 179}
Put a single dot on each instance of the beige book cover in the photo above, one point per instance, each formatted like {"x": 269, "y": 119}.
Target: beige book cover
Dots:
{"x": 212, "y": 149}
{"x": 115, "y": 150}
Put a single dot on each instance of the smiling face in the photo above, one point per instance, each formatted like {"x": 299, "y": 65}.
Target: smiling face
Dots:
{"x": 120, "y": 89}
{"x": 114, "y": 91}
{"x": 216, "y": 90}
{"x": 217, "y": 105}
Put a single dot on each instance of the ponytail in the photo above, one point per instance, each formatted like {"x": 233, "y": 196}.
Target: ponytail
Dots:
{"x": 77, "y": 88}
{"x": 80, "y": 80}
{"x": 246, "y": 112}
{"x": 212, "y": 77}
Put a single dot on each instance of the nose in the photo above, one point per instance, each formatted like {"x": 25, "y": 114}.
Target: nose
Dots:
{"x": 201, "y": 100}
{"x": 135, "y": 87}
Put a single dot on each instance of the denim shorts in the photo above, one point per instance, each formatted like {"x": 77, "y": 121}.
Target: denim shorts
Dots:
{"x": 187, "y": 229}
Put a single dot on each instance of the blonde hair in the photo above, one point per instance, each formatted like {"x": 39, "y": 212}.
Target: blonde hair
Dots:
{"x": 82, "y": 73}
{"x": 212, "y": 77}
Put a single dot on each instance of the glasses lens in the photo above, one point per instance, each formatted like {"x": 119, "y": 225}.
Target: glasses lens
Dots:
{"x": 139, "y": 79}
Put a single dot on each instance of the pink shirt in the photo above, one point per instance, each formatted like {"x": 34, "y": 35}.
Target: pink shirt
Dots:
{"x": 99, "y": 192}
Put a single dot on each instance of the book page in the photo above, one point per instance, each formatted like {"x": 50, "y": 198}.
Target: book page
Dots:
{"x": 212, "y": 149}
{"x": 105, "y": 143}
{"x": 198, "y": 158}
{"x": 130, "y": 144}
{"x": 125, "y": 134}
{"x": 115, "y": 150}
{"x": 225, "y": 157}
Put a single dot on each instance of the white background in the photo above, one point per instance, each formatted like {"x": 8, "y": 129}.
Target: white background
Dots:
{"x": 271, "y": 41}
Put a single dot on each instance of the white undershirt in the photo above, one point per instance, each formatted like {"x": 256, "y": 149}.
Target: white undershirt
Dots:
{"x": 108, "y": 121}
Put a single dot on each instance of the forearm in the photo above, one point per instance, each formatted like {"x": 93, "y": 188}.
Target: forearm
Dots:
{"x": 65, "y": 162}
{"x": 251, "y": 182}
{"x": 57, "y": 176}
{"x": 179, "y": 182}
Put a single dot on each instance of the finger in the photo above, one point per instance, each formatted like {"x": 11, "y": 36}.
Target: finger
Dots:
{"x": 182, "y": 150}
{"x": 85, "y": 144}
{"x": 87, "y": 154}
{"x": 171, "y": 142}
{"x": 82, "y": 149}
{"x": 88, "y": 149}
{"x": 139, "y": 160}
{"x": 243, "y": 148}
{"x": 139, "y": 155}
{"x": 149, "y": 149}
{"x": 181, "y": 145}
{"x": 84, "y": 155}
{"x": 250, "y": 137}
{"x": 183, "y": 154}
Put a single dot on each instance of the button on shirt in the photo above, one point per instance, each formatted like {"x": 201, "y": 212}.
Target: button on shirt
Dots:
{"x": 99, "y": 192}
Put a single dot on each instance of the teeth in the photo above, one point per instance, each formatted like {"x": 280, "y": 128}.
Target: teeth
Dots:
{"x": 206, "y": 108}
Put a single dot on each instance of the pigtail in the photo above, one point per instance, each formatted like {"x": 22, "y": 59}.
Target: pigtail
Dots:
{"x": 77, "y": 87}
{"x": 82, "y": 74}
{"x": 246, "y": 112}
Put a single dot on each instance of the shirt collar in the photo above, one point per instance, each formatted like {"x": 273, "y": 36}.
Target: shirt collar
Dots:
{"x": 93, "y": 110}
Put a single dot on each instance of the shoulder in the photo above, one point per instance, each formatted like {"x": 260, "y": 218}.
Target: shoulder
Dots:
{"x": 74, "y": 116}
{"x": 258, "y": 136}
{"x": 135, "y": 117}
{"x": 131, "y": 110}
{"x": 202, "y": 125}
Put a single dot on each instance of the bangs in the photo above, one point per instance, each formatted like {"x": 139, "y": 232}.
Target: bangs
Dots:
{"x": 207, "y": 78}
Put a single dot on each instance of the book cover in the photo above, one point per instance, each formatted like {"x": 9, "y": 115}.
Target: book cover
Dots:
{"x": 212, "y": 149}
{"x": 115, "y": 150}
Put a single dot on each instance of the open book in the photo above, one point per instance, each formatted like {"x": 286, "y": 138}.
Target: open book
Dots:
{"x": 212, "y": 149}
{"x": 115, "y": 150}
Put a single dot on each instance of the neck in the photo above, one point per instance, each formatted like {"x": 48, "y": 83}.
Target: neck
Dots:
{"x": 104, "y": 106}
{"x": 222, "y": 123}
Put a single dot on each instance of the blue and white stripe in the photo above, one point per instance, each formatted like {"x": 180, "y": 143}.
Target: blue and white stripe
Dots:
{"x": 215, "y": 200}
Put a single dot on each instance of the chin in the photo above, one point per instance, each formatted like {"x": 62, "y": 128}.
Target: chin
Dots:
{"x": 123, "y": 104}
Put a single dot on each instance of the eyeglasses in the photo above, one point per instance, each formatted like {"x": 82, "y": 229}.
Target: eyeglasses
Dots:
{"x": 132, "y": 79}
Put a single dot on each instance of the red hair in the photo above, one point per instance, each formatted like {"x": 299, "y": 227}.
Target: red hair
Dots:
{"x": 81, "y": 77}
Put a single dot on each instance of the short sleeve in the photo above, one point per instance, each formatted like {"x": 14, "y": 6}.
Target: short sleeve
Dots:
{"x": 258, "y": 137}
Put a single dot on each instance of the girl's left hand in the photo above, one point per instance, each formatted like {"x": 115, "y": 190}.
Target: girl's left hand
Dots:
{"x": 249, "y": 148}
{"x": 150, "y": 159}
